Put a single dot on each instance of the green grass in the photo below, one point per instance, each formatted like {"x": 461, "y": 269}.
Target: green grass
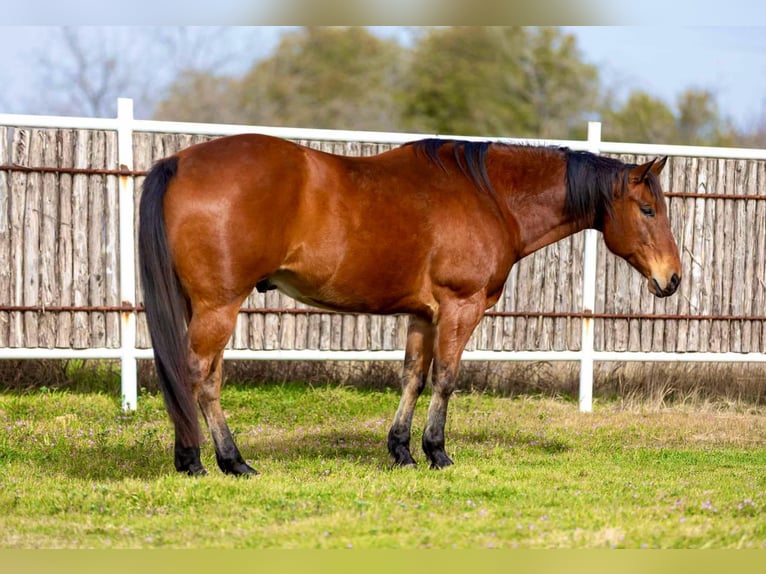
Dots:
{"x": 530, "y": 472}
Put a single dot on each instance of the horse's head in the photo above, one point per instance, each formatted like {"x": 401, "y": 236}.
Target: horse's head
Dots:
{"x": 637, "y": 228}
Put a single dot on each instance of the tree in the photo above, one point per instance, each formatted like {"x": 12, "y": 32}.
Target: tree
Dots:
{"x": 642, "y": 118}
{"x": 756, "y": 135}
{"x": 451, "y": 86}
{"x": 499, "y": 81}
{"x": 201, "y": 97}
{"x": 646, "y": 119}
{"x": 85, "y": 72}
{"x": 559, "y": 88}
{"x": 344, "y": 78}
{"x": 699, "y": 120}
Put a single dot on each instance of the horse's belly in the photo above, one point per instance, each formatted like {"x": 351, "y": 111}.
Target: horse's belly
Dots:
{"x": 356, "y": 297}
{"x": 304, "y": 295}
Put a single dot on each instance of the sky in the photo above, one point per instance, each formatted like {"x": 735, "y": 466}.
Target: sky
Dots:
{"x": 666, "y": 60}
{"x": 663, "y": 60}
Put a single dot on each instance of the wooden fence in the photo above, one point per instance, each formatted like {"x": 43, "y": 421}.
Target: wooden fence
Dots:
{"x": 59, "y": 263}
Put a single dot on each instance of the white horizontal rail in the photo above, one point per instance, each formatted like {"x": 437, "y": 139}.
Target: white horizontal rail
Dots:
{"x": 65, "y": 122}
{"x": 94, "y": 353}
{"x": 666, "y": 357}
{"x": 600, "y": 356}
{"x": 398, "y": 355}
{"x": 58, "y": 122}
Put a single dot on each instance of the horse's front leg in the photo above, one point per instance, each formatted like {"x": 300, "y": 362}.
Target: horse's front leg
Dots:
{"x": 456, "y": 324}
{"x": 417, "y": 362}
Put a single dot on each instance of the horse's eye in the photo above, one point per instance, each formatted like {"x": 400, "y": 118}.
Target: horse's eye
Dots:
{"x": 647, "y": 210}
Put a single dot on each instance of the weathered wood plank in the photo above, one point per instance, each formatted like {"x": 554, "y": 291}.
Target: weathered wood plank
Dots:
{"x": 96, "y": 234}
{"x": 142, "y": 160}
{"x": 325, "y": 331}
{"x": 301, "y": 328}
{"x": 747, "y": 272}
{"x": 5, "y": 238}
{"x": 758, "y": 344}
{"x": 362, "y": 333}
{"x": 271, "y": 322}
{"x": 509, "y": 304}
{"x": 112, "y": 242}
{"x": 728, "y": 238}
{"x": 80, "y": 271}
{"x": 562, "y": 298}
{"x": 31, "y": 240}
{"x": 336, "y": 331}
{"x": 19, "y": 156}
{"x": 256, "y": 320}
{"x": 696, "y": 263}
{"x": 49, "y": 272}
{"x": 376, "y": 332}
{"x": 348, "y": 329}
{"x": 705, "y": 257}
{"x": 685, "y": 181}
{"x": 717, "y": 285}
{"x": 287, "y": 328}
{"x": 65, "y": 248}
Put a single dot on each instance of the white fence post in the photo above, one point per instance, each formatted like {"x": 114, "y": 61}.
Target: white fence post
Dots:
{"x": 128, "y": 364}
{"x": 589, "y": 294}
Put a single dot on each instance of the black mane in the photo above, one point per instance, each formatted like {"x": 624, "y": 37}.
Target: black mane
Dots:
{"x": 590, "y": 178}
{"x": 469, "y": 156}
{"x": 591, "y": 183}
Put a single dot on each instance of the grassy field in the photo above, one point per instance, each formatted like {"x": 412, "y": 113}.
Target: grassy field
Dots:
{"x": 530, "y": 473}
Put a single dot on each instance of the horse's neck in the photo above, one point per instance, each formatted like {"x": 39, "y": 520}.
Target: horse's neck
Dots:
{"x": 535, "y": 203}
{"x": 541, "y": 224}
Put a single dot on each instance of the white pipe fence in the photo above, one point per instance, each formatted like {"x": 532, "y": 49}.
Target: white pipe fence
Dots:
{"x": 125, "y": 125}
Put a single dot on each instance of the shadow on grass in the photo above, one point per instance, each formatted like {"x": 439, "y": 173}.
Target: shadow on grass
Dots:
{"x": 369, "y": 447}
{"x": 366, "y": 447}
{"x": 109, "y": 462}
{"x": 359, "y": 446}
{"x": 513, "y": 439}
{"x": 114, "y": 462}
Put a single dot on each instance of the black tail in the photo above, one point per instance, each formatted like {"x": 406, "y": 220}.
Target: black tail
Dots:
{"x": 165, "y": 304}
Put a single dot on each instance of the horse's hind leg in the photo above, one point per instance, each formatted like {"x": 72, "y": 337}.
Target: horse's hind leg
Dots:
{"x": 417, "y": 362}
{"x": 227, "y": 454}
{"x": 208, "y": 333}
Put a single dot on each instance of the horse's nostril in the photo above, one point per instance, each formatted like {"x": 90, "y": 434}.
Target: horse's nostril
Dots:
{"x": 674, "y": 281}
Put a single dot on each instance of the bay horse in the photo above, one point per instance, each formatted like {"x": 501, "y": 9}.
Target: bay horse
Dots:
{"x": 429, "y": 229}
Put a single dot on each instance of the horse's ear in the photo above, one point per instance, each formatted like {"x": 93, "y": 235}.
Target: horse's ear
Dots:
{"x": 639, "y": 173}
{"x": 658, "y": 165}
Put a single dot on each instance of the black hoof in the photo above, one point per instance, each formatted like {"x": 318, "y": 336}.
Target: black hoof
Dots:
{"x": 402, "y": 456}
{"x": 236, "y": 467}
{"x": 399, "y": 449}
{"x": 440, "y": 460}
{"x": 187, "y": 460}
{"x": 195, "y": 472}
{"x": 436, "y": 455}
{"x": 243, "y": 470}
{"x": 410, "y": 463}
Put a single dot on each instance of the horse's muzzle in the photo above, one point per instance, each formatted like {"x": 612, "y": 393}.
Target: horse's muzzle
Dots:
{"x": 669, "y": 289}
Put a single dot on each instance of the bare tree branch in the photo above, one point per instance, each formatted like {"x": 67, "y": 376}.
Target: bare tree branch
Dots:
{"x": 83, "y": 70}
